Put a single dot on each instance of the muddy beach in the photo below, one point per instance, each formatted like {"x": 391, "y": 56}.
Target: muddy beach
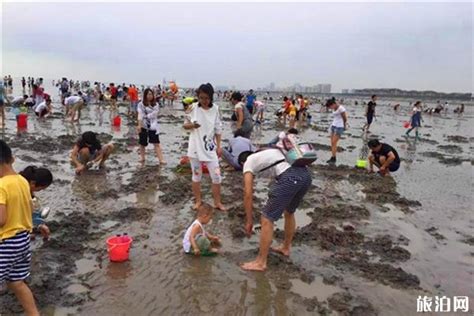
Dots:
{"x": 364, "y": 245}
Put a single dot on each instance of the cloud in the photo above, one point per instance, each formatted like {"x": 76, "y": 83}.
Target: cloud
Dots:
{"x": 356, "y": 45}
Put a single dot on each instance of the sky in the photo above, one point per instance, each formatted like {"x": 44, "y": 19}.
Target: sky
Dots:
{"x": 414, "y": 46}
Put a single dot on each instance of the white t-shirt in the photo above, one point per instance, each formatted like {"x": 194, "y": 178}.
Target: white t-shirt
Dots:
{"x": 186, "y": 240}
{"x": 73, "y": 99}
{"x": 337, "y": 114}
{"x": 40, "y": 107}
{"x": 148, "y": 116}
{"x": 202, "y": 145}
{"x": 18, "y": 100}
{"x": 239, "y": 105}
{"x": 263, "y": 159}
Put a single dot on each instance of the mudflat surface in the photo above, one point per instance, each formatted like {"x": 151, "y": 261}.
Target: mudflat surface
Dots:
{"x": 365, "y": 245}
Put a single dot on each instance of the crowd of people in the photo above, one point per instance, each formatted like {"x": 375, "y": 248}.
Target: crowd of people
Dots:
{"x": 19, "y": 216}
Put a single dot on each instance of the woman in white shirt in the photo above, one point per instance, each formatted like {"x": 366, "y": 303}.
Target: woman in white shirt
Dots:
{"x": 204, "y": 122}
{"x": 43, "y": 109}
{"x": 147, "y": 128}
{"x": 338, "y": 126}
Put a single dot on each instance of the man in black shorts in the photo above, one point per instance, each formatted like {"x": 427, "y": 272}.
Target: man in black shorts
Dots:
{"x": 286, "y": 193}
{"x": 384, "y": 156}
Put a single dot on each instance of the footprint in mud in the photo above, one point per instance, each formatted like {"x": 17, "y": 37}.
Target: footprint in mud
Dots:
{"x": 433, "y": 231}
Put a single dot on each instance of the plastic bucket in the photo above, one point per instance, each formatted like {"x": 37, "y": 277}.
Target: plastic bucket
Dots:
{"x": 406, "y": 124}
{"x": 117, "y": 121}
{"x": 22, "y": 120}
{"x": 119, "y": 248}
{"x": 361, "y": 163}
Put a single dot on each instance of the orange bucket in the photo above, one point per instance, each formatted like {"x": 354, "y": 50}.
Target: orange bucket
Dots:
{"x": 117, "y": 121}
{"x": 119, "y": 248}
{"x": 22, "y": 120}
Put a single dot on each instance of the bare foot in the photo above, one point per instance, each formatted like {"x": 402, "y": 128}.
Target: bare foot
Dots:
{"x": 253, "y": 266}
{"x": 163, "y": 162}
{"x": 220, "y": 207}
{"x": 281, "y": 251}
{"x": 197, "y": 205}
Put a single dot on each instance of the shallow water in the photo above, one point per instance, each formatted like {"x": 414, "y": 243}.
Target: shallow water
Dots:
{"x": 160, "y": 280}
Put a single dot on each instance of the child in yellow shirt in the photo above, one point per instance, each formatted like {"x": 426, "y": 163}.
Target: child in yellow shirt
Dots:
{"x": 15, "y": 227}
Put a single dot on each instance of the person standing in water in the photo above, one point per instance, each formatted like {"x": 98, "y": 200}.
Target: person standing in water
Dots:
{"x": 415, "y": 120}
{"x": 148, "y": 125}
{"x": 204, "y": 122}
{"x": 370, "y": 113}
{"x": 338, "y": 126}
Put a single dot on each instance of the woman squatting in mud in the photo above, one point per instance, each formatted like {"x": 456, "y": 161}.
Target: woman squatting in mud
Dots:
{"x": 88, "y": 151}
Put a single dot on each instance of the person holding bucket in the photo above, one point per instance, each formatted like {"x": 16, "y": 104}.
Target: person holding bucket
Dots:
{"x": 415, "y": 120}
{"x": 384, "y": 156}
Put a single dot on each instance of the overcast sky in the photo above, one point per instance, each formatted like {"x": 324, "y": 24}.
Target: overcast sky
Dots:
{"x": 423, "y": 46}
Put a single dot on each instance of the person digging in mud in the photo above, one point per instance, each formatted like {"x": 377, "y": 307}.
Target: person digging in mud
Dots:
{"x": 286, "y": 193}
{"x": 38, "y": 179}
{"x": 237, "y": 145}
{"x": 74, "y": 105}
{"x": 338, "y": 126}
{"x": 15, "y": 228}
{"x": 43, "y": 109}
{"x": 197, "y": 240}
{"x": 384, "y": 156}
{"x": 87, "y": 151}
{"x": 204, "y": 122}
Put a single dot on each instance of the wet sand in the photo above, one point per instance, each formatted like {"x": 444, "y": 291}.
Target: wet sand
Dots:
{"x": 365, "y": 245}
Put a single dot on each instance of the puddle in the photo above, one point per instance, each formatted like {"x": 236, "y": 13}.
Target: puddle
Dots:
{"x": 85, "y": 265}
{"x": 315, "y": 289}
{"x": 76, "y": 289}
{"x": 301, "y": 216}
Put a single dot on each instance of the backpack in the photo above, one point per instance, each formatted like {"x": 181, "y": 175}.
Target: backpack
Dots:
{"x": 298, "y": 154}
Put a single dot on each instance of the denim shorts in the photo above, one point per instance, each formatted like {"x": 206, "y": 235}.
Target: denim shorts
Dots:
{"x": 337, "y": 130}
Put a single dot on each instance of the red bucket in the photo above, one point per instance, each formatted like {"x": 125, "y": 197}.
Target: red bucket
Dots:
{"x": 119, "y": 248}
{"x": 22, "y": 120}
{"x": 406, "y": 124}
{"x": 117, "y": 121}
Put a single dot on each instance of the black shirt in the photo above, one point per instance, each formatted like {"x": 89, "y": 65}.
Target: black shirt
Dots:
{"x": 385, "y": 150}
{"x": 371, "y": 107}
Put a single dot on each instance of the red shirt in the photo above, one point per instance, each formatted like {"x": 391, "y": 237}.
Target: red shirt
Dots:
{"x": 133, "y": 94}
{"x": 113, "y": 91}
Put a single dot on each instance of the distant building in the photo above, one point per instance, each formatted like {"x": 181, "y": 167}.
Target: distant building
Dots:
{"x": 326, "y": 88}
{"x": 271, "y": 87}
{"x": 345, "y": 91}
